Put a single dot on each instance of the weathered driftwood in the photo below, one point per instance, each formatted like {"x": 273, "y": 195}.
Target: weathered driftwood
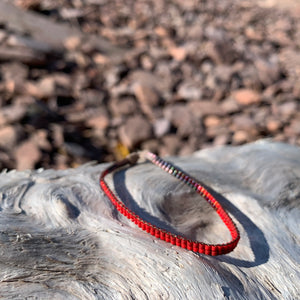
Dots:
{"x": 61, "y": 238}
{"x": 50, "y": 34}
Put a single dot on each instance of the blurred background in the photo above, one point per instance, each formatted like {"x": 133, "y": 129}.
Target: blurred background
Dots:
{"x": 84, "y": 80}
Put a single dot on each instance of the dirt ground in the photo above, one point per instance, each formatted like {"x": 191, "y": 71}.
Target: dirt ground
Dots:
{"x": 96, "y": 79}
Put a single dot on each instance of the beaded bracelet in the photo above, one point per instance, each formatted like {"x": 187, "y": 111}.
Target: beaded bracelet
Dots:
{"x": 208, "y": 249}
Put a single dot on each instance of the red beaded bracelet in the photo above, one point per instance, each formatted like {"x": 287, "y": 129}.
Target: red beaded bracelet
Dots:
{"x": 208, "y": 249}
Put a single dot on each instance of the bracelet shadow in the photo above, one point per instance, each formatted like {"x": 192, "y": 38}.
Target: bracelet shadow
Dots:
{"x": 258, "y": 243}
{"x": 123, "y": 193}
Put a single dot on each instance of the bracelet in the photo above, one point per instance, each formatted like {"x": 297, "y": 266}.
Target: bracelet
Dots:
{"x": 208, "y": 249}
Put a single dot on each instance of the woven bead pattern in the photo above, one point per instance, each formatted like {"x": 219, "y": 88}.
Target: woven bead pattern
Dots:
{"x": 208, "y": 249}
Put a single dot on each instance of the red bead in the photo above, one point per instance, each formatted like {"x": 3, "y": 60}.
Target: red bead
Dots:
{"x": 201, "y": 248}
{"x": 214, "y": 250}
{"x": 131, "y": 216}
{"x": 157, "y": 233}
{"x": 195, "y": 247}
{"x": 217, "y": 205}
{"x": 226, "y": 249}
{"x": 167, "y": 237}
{"x": 172, "y": 239}
{"x": 152, "y": 231}
{"x": 148, "y": 228}
{"x": 207, "y": 250}
{"x": 183, "y": 243}
{"x": 219, "y": 249}
{"x": 189, "y": 245}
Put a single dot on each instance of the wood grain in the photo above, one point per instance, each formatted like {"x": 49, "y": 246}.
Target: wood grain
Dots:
{"x": 61, "y": 238}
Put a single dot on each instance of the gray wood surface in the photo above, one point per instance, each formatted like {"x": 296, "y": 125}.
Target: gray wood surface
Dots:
{"x": 60, "y": 238}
